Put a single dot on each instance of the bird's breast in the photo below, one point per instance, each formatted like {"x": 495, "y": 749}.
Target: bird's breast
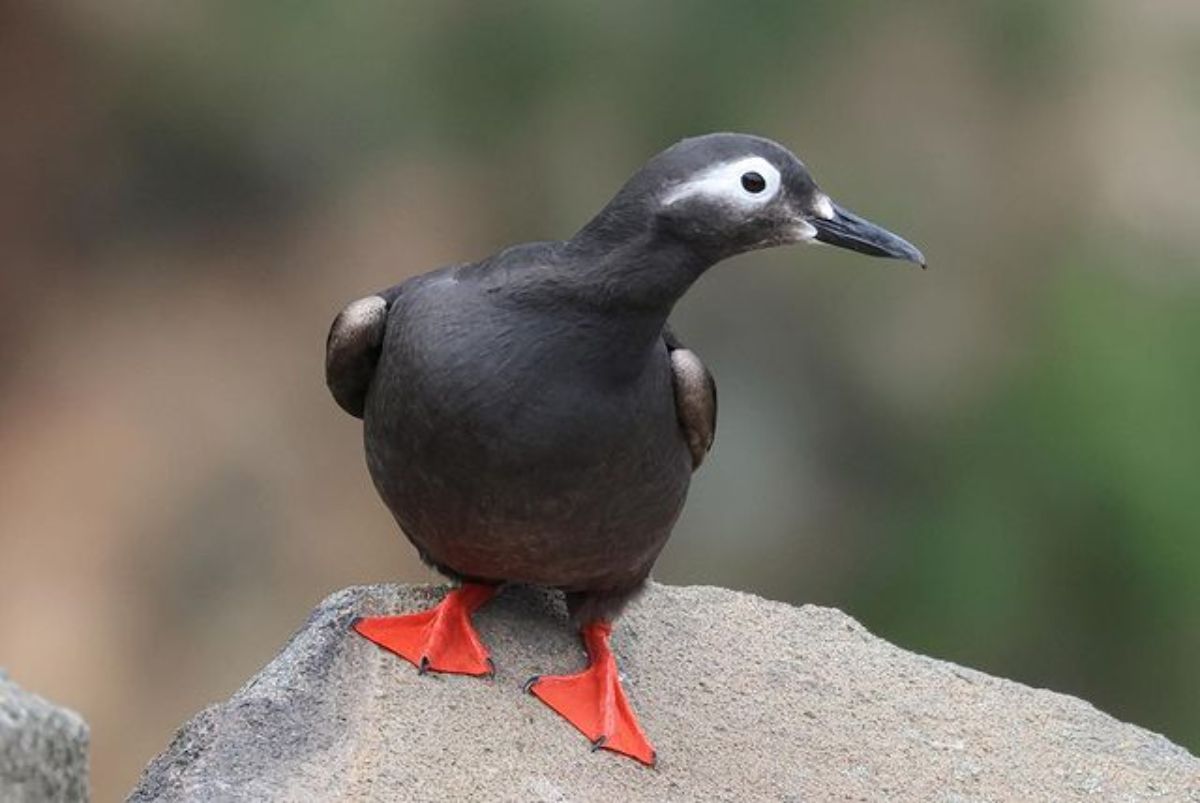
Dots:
{"x": 511, "y": 447}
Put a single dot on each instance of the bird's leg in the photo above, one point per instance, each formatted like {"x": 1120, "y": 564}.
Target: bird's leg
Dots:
{"x": 593, "y": 700}
{"x": 441, "y": 639}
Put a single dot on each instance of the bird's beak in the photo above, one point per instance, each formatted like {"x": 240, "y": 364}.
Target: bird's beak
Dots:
{"x": 843, "y": 228}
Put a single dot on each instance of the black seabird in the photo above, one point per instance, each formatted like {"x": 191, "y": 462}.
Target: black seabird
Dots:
{"x": 531, "y": 418}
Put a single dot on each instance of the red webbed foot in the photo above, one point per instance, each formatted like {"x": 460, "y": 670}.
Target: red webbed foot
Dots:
{"x": 441, "y": 639}
{"x": 593, "y": 700}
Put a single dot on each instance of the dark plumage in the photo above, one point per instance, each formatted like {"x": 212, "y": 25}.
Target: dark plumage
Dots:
{"x": 531, "y": 418}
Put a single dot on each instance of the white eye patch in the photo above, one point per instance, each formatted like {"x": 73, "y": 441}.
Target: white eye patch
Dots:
{"x": 743, "y": 184}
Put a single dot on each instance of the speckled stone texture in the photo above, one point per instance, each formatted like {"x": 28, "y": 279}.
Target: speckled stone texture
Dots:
{"x": 745, "y": 700}
{"x": 43, "y": 749}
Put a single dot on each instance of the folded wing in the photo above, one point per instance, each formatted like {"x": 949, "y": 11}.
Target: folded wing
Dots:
{"x": 352, "y": 351}
{"x": 695, "y": 398}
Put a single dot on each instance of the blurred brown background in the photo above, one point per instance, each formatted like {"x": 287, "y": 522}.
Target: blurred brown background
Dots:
{"x": 993, "y": 462}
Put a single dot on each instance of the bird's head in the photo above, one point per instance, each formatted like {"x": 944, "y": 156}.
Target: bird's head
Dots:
{"x": 730, "y": 193}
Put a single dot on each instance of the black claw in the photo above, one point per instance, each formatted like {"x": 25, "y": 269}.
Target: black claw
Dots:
{"x": 529, "y": 684}
{"x": 653, "y": 759}
{"x": 354, "y": 622}
{"x": 491, "y": 673}
{"x": 423, "y": 668}
{"x": 599, "y": 743}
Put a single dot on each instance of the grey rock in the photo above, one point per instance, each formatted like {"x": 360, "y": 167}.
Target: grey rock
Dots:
{"x": 744, "y": 699}
{"x": 43, "y": 749}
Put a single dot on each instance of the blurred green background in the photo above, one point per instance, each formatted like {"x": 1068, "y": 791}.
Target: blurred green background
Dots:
{"x": 994, "y": 462}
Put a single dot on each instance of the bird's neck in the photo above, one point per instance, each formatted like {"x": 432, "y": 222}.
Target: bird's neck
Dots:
{"x": 626, "y": 289}
{"x": 617, "y": 291}
{"x": 613, "y": 285}
{"x": 640, "y": 271}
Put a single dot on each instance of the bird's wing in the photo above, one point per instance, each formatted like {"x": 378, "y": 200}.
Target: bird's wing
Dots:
{"x": 352, "y": 349}
{"x": 695, "y": 397}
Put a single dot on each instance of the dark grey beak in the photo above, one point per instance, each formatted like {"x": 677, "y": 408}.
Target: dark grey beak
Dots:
{"x": 847, "y": 230}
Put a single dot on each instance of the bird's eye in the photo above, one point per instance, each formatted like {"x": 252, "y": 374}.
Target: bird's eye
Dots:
{"x": 753, "y": 182}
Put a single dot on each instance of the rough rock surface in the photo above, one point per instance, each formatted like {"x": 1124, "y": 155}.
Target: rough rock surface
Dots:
{"x": 744, "y": 699}
{"x": 43, "y": 749}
